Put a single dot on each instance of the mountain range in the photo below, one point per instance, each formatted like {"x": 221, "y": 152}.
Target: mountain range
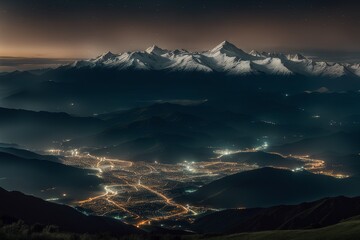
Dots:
{"x": 225, "y": 58}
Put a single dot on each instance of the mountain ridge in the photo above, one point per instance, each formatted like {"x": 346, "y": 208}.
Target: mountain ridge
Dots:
{"x": 248, "y": 189}
{"x": 225, "y": 58}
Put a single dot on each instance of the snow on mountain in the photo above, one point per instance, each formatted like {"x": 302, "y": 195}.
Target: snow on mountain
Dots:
{"x": 295, "y": 57}
{"x": 107, "y": 57}
{"x": 156, "y": 50}
{"x": 229, "y": 50}
{"x": 225, "y": 57}
{"x": 141, "y": 60}
{"x": 325, "y": 69}
{"x": 255, "y": 53}
{"x": 189, "y": 62}
{"x": 334, "y": 70}
{"x": 231, "y": 65}
{"x": 80, "y": 64}
{"x": 354, "y": 68}
{"x": 272, "y": 66}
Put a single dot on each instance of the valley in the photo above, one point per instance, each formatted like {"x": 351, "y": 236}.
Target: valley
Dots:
{"x": 144, "y": 193}
{"x": 140, "y": 193}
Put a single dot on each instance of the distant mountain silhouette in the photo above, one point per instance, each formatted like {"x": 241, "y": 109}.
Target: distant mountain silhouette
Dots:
{"x": 165, "y": 109}
{"x": 341, "y": 142}
{"x": 336, "y": 106}
{"x": 43, "y": 129}
{"x": 170, "y": 135}
{"x": 33, "y": 210}
{"x": 99, "y": 90}
{"x": 163, "y": 148}
{"x": 205, "y": 117}
{"x": 22, "y": 153}
{"x": 46, "y": 179}
{"x": 263, "y": 159}
{"x": 16, "y": 81}
{"x": 320, "y": 213}
{"x": 190, "y": 127}
{"x": 268, "y": 187}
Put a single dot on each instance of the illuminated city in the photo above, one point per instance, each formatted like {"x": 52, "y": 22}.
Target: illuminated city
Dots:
{"x": 139, "y": 192}
{"x": 143, "y": 193}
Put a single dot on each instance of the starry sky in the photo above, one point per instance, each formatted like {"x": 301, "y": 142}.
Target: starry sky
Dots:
{"x": 57, "y": 30}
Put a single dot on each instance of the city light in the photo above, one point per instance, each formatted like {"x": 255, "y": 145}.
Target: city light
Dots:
{"x": 130, "y": 186}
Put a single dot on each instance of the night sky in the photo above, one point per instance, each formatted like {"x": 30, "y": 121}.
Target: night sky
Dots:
{"x": 61, "y": 29}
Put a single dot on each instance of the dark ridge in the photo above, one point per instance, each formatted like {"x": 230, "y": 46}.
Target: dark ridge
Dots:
{"x": 33, "y": 210}
{"x": 317, "y": 214}
{"x": 266, "y": 187}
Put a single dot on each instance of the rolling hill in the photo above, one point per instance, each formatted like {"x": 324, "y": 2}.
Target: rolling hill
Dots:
{"x": 317, "y": 214}
{"x": 268, "y": 187}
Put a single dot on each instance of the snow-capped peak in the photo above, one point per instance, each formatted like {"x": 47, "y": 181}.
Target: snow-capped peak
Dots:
{"x": 107, "y": 56}
{"x": 296, "y": 57}
{"x": 224, "y": 45}
{"x": 255, "y": 53}
{"x": 155, "y": 50}
{"x": 225, "y": 58}
{"x": 230, "y": 50}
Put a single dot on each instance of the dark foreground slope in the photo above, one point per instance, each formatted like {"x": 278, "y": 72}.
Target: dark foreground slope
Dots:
{"x": 347, "y": 230}
{"x": 320, "y": 213}
{"x": 269, "y": 187}
{"x": 31, "y": 210}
